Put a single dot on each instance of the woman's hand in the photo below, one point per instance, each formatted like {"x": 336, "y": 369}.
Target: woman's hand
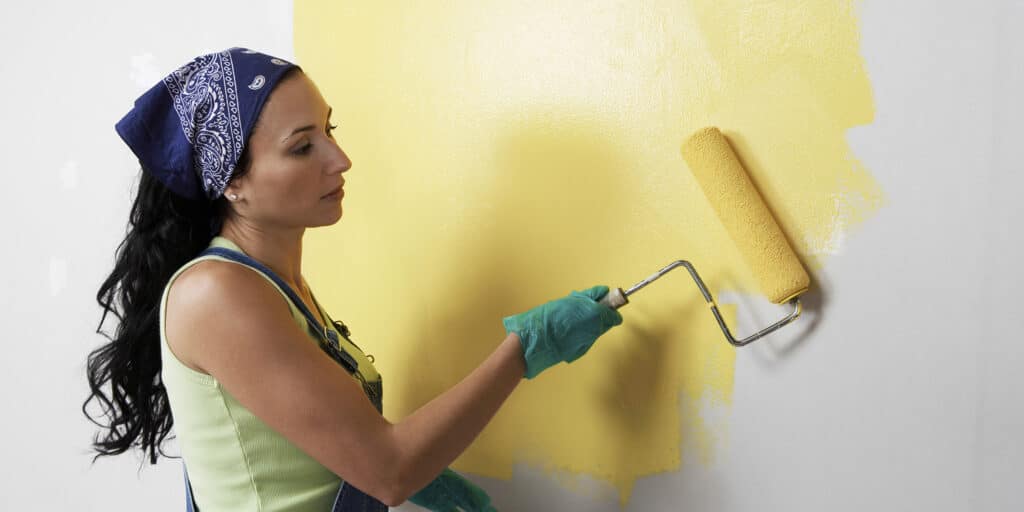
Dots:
{"x": 449, "y": 492}
{"x": 562, "y": 329}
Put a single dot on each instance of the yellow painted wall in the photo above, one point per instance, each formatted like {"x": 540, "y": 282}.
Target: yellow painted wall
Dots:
{"x": 505, "y": 153}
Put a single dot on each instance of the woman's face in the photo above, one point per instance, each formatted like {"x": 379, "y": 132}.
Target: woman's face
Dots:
{"x": 294, "y": 161}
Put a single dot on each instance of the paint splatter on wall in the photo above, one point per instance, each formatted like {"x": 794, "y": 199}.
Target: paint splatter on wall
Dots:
{"x": 505, "y": 153}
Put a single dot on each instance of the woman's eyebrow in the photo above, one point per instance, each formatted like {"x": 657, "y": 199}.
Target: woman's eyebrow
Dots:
{"x": 308, "y": 127}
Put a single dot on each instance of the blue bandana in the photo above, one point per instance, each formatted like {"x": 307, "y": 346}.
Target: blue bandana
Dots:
{"x": 190, "y": 128}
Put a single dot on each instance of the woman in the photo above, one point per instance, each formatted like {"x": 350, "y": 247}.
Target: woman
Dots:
{"x": 274, "y": 408}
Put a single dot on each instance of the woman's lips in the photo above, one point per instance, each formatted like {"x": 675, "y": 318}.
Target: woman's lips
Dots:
{"x": 333, "y": 193}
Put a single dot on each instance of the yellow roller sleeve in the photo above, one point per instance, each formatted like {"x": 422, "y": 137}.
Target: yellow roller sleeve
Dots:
{"x": 745, "y": 216}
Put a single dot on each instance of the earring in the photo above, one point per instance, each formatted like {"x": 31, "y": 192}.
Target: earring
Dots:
{"x": 234, "y": 197}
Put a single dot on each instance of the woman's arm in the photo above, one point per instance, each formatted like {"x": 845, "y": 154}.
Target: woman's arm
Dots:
{"x": 226, "y": 320}
{"x": 434, "y": 435}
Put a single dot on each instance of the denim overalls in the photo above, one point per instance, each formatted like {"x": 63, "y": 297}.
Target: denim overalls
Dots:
{"x": 348, "y": 499}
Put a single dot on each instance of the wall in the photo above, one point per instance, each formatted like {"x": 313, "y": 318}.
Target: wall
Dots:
{"x": 896, "y": 391}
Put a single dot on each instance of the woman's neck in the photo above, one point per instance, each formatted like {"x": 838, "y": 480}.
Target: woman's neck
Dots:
{"x": 279, "y": 250}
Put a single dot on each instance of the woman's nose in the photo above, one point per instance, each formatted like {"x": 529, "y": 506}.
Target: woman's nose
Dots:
{"x": 340, "y": 162}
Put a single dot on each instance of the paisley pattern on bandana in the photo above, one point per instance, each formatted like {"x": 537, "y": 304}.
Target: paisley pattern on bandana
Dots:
{"x": 205, "y": 98}
{"x": 190, "y": 128}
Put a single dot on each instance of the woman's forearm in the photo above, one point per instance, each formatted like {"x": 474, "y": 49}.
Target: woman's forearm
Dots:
{"x": 433, "y": 436}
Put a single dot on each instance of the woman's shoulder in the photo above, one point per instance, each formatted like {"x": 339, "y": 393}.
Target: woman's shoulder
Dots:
{"x": 210, "y": 272}
{"x": 207, "y": 282}
{"x": 209, "y": 293}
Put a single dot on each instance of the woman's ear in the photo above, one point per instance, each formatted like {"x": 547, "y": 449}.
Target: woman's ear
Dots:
{"x": 232, "y": 194}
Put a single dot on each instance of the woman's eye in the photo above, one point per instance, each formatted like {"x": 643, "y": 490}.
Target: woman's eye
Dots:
{"x": 305, "y": 149}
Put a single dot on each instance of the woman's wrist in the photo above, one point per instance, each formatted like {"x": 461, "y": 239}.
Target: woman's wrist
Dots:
{"x": 513, "y": 347}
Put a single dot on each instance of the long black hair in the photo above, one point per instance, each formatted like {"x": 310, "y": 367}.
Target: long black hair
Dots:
{"x": 164, "y": 232}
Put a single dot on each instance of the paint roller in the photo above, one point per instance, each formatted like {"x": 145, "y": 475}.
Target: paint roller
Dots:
{"x": 780, "y": 275}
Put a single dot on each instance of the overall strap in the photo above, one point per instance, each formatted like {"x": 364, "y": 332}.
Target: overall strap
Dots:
{"x": 190, "y": 499}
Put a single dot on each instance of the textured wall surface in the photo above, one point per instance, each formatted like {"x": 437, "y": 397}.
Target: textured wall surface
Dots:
{"x": 505, "y": 153}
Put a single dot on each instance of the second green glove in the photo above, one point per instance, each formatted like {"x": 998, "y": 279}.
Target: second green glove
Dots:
{"x": 450, "y": 492}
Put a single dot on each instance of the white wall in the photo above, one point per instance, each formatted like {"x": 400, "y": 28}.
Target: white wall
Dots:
{"x": 70, "y": 70}
{"x": 904, "y": 396}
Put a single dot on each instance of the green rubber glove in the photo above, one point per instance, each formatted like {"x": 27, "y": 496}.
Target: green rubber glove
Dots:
{"x": 449, "y": 492}
{"x": 562, "y": 329}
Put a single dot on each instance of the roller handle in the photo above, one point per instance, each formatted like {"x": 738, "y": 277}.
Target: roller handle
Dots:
{"x": 615, "y": 298}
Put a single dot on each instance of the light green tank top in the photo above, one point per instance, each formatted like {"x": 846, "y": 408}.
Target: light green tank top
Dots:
{"x": 236, "y": 461}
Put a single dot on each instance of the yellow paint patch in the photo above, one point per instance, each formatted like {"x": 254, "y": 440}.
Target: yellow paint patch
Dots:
{"x": 505, "y": 153}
